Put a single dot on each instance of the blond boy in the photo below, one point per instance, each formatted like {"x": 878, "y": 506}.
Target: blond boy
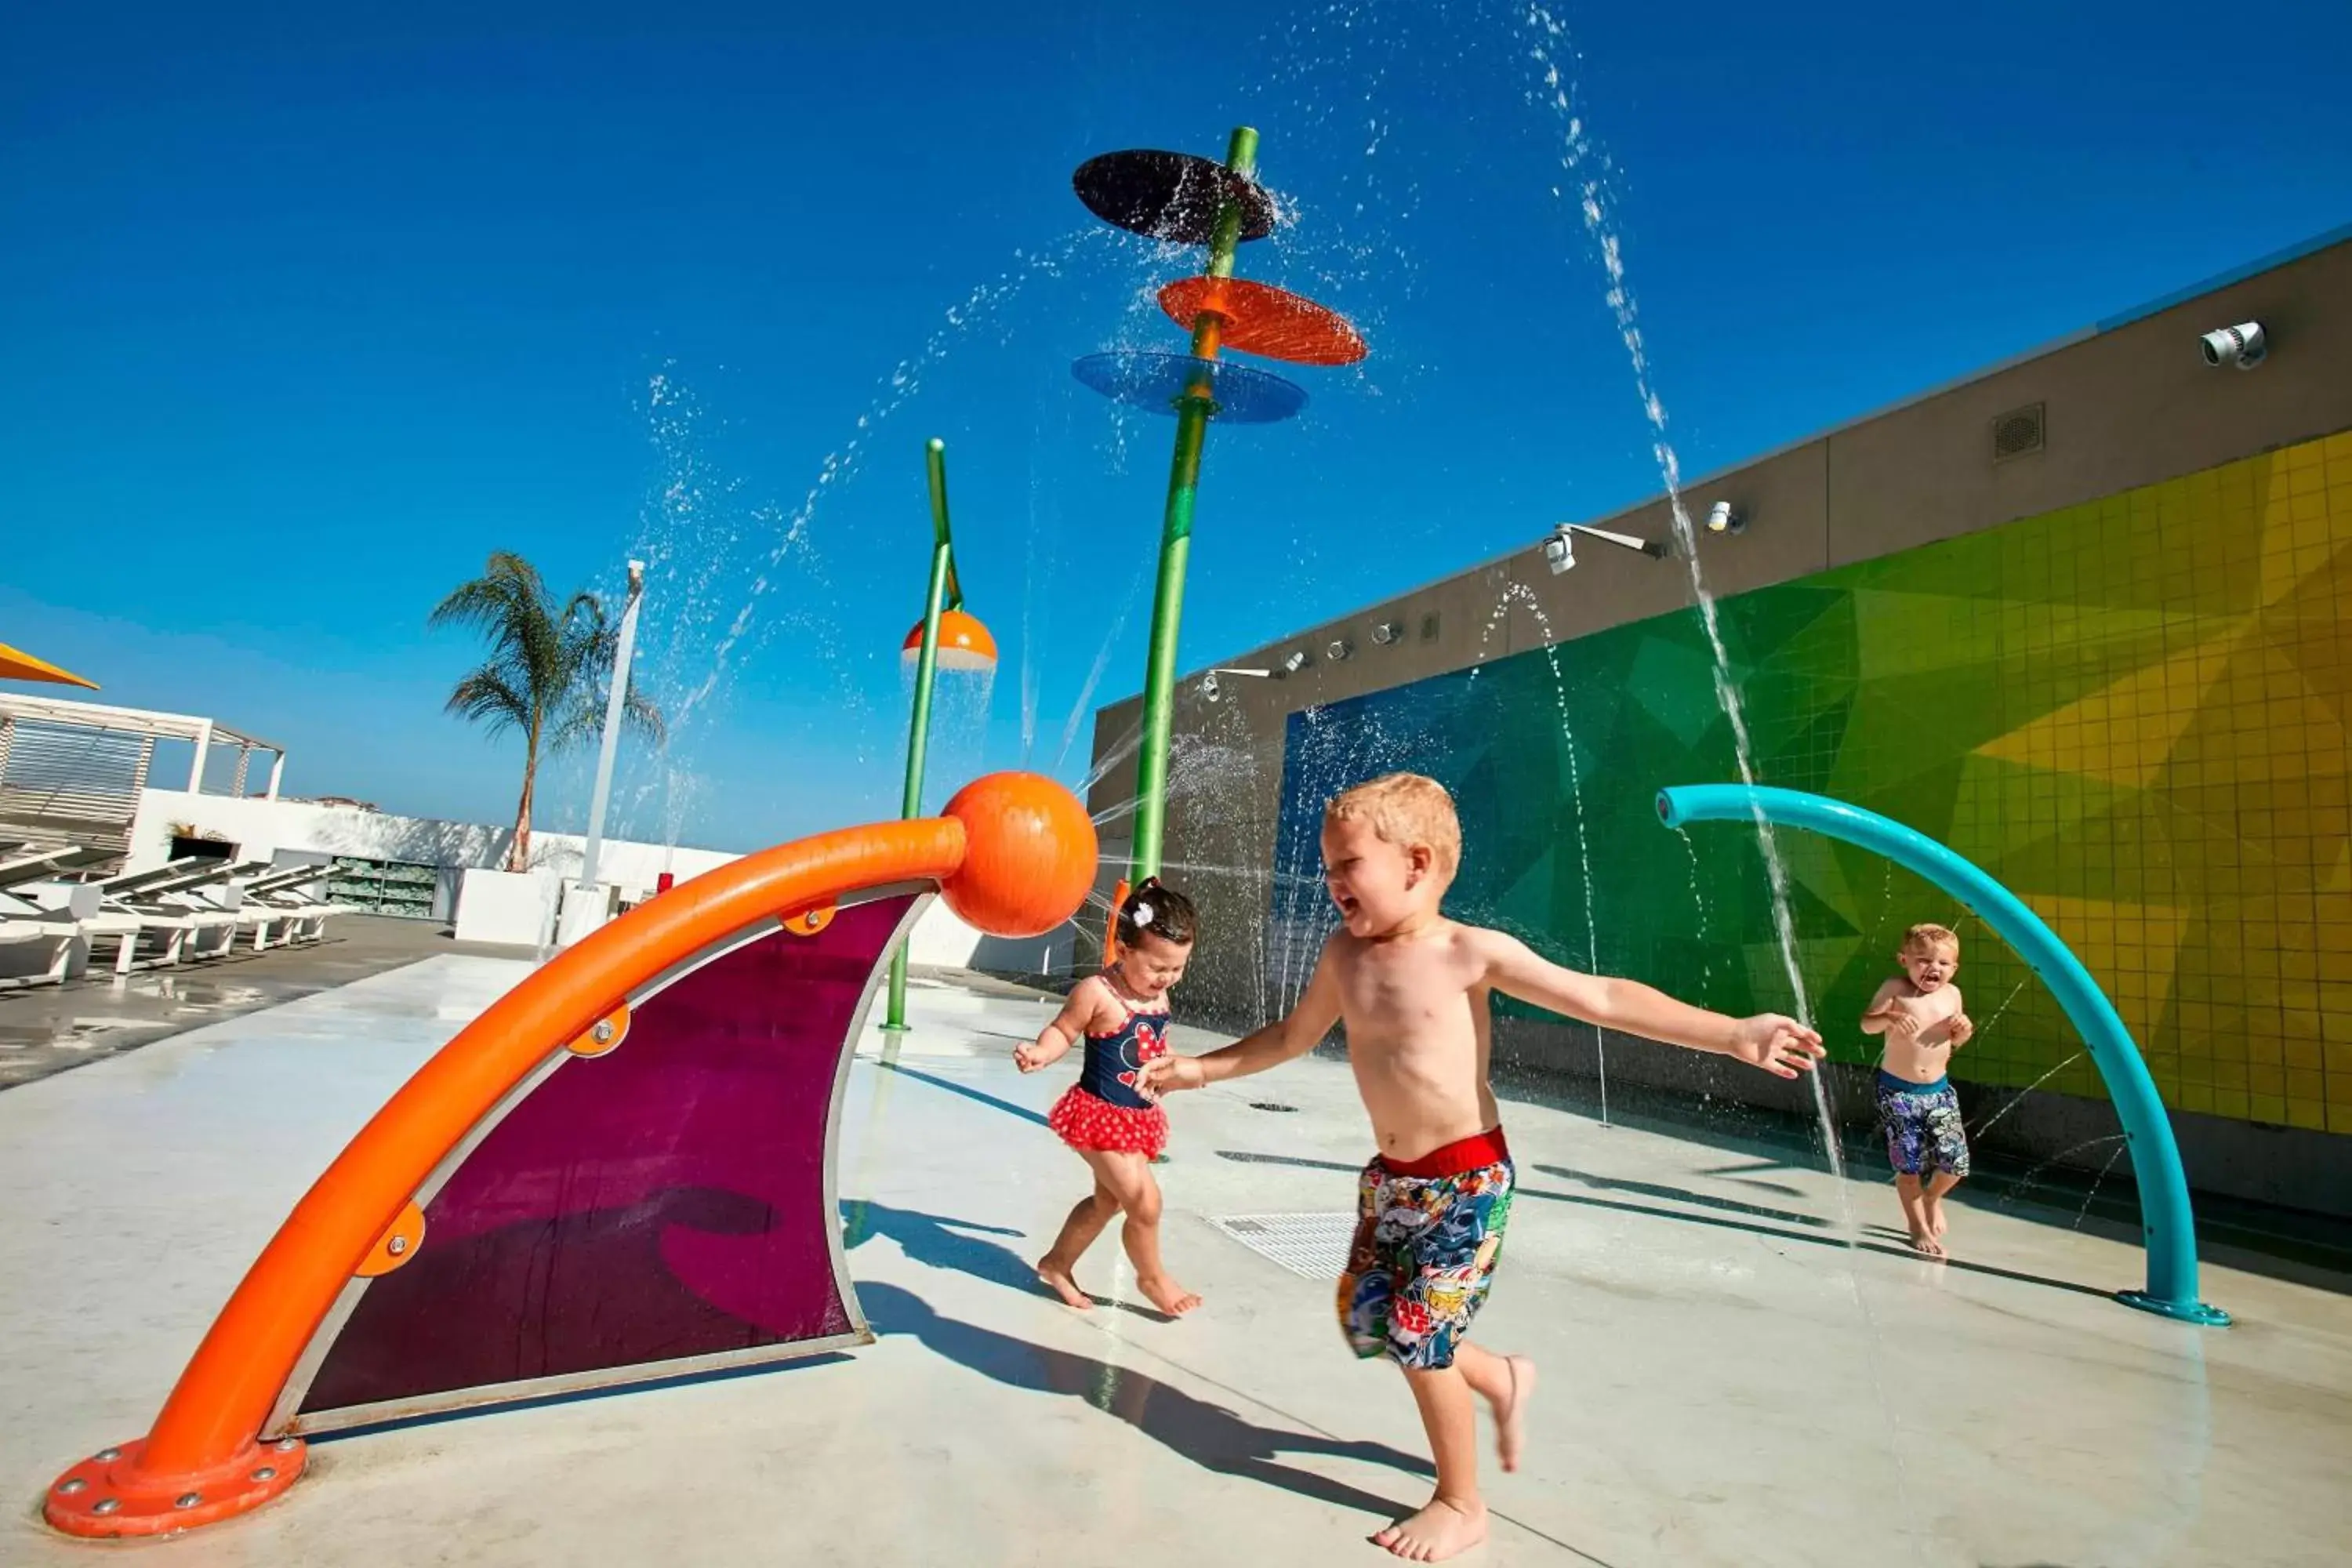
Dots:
{"x": 1412, "y": 987}
{"x": 1917, "y": 1013}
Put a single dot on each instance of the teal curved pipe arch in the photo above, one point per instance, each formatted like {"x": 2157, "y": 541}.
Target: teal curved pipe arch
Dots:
{"x": 2166, "y": 1223}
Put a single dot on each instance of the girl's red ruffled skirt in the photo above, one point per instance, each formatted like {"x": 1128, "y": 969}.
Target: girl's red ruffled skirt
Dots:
{"x": 1086, "y": 1120}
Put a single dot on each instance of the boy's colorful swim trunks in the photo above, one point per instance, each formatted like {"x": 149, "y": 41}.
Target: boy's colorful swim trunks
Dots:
{"x": 1924, "y": 1132}
{"x": 1427, "y": 1232}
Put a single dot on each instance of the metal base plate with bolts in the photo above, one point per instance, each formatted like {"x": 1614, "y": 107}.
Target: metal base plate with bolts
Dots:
{"x": 2179, "y": 1311}
{"x": 109, "y": 1497}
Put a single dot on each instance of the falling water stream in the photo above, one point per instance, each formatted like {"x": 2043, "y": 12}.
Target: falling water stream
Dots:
{"x": 1589, "y": 171}
{"x": 1521, "y": 593}
{"x": 1588, "y": 175}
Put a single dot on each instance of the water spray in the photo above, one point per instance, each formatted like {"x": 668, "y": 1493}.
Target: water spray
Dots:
{"x": 1180, "y": 198}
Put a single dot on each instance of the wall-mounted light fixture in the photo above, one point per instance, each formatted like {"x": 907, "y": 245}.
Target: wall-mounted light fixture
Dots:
{"x": 1210, "y": 692}
{"x": 1559, "y": 546}
{"x": 2243, "y": 345}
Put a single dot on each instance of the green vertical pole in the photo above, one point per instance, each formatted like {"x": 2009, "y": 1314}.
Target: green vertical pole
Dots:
{"x": 1176, "y": 538}
{"x": 943, "y": 591}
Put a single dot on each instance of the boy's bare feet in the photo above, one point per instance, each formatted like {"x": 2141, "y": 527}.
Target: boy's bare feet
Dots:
{"x": 1511, "y": 1411}
{"x": 1935, "y": 1207}
{"x": 1055, "y": 1275}
{"x": 1924, "y": 1241}
{"x": 1166, "y": 1295}
{"x": 1442, "y": 1530}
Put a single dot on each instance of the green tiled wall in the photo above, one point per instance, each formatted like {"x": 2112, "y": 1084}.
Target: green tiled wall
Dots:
{"x": 2133, "y": 712}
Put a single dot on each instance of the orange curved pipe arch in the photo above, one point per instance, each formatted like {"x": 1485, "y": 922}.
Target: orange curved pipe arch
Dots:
{"x": 205, "y": 1443}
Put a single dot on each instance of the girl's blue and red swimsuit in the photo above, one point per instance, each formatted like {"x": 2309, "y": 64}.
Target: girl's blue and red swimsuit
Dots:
{"x": 1106, "y": 1110}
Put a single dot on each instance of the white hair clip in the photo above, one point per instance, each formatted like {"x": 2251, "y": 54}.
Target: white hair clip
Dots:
{"x": 1140, "y": 914}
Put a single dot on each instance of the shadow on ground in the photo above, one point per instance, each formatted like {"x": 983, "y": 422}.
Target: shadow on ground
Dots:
{"x": 1209, "y": 1435}
{"x": 962, "y": 1246}
{"x": 1822, "y": 1237}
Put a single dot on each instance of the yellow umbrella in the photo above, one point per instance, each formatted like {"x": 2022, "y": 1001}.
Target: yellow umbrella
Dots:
{"x": 15, "y": 664}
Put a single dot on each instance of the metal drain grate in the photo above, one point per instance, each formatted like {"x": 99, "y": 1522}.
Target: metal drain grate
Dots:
{"x": 1311, "y": 1246}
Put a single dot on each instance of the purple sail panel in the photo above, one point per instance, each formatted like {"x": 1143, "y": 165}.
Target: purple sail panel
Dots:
{"x": 663, "y": 1203}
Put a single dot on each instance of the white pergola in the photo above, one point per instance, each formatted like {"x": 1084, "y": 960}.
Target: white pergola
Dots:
{"x": 152, "y": 725}
{"x": 76, "y": 769}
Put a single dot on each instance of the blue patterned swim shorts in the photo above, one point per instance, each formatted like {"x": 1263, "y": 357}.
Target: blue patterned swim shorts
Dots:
{"x": 1924, "y": 1133}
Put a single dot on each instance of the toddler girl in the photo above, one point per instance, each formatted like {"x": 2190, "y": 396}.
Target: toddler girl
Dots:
{"x": 1116, "y": 1127}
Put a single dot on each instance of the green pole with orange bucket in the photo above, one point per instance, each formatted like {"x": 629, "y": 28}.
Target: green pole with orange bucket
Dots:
{"x": 947, "y": 634}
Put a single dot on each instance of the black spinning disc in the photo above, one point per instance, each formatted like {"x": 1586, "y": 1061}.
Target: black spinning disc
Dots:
{"x": 1170, "y": 196}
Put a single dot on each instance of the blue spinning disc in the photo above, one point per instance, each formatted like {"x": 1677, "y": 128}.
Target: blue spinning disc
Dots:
{"x": 1244, "y": 395}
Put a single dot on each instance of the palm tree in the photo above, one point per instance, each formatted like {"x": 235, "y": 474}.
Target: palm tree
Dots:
{"x": 547, "y": 675}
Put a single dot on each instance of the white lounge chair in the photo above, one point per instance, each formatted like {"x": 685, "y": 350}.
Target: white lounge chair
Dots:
{"x": 21, "y": 863}
{"x": 278, "y": 897}
{"x": 66, "y": 935}
{"x": 256, "y": 904}
{"x": 26, "y": 918}
{"x": 293, "y": 896}
{"x": 214, "y": 927}
{"x": 147, "y": 935}
{"x": 52, "y": 945}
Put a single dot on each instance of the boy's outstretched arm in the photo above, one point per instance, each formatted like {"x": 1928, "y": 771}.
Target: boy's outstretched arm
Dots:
{"x": 1779, "y": 1045}
{"x": 1317, "y": 1010}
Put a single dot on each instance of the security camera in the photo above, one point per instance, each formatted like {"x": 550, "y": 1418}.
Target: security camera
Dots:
{"x": 1388, "y": 632}
{"x": 1560, "y": 551}
{"x": 1721, "y": 518}
{"x": 2241, "y": 345}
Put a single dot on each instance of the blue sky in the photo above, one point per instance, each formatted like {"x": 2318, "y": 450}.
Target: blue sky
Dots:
{"x": 310, "y": 312}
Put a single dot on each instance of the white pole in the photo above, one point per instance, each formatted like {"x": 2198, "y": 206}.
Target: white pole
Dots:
{"x": 196, "y": 766}
{"x": 613, "y": 706}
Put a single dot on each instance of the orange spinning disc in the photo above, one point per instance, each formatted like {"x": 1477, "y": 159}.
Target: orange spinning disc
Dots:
{"x": 1263, "y": 320}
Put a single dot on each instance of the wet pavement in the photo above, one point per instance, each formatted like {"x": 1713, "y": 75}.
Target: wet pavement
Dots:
{"x": 47, "y": 1029}
{"x": 1735, "y": 1371}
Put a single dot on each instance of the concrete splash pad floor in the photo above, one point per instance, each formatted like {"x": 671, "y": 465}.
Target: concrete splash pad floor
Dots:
{"x": 1724, "y": 1380}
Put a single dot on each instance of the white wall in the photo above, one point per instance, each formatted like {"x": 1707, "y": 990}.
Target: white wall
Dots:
{"x": 261, "y": 828}
{"x": 515, "y": 908}
{"x": 939, "y": 938}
